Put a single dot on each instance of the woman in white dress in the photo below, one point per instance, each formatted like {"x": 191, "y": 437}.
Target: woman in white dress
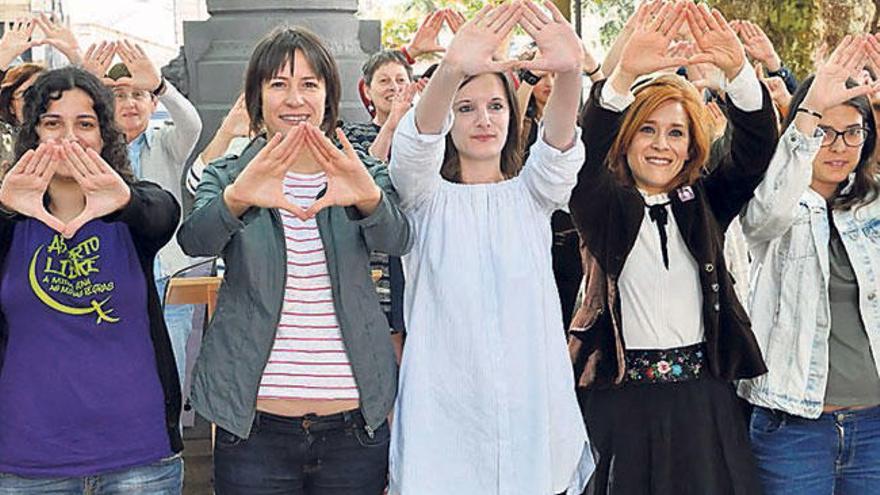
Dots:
{"x": 486, "y": 401}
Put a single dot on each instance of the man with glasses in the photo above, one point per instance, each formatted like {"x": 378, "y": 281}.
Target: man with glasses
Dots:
{"x": 158, "y": 155}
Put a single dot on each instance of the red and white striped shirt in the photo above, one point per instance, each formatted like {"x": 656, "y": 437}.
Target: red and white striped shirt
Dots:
{"x": 308, "y": 359}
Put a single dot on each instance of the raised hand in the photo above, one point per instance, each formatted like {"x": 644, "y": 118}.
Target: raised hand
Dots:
{"x": 144, "y": 74}
{"x": 16, "y": 40}
{"x": 775, "y": 86}
{"x": 261, "y": 183}
{"x": 104, "y": 189}
{"x": 758, "y": 45}
{"x": 425, "y": 40}
{"x": 237, "y": 122}
{"x": 98, "y": 57}
{"x": 59, "y": 36}
{"x": 24, "y": 187}
{"x": 348, "y": 181}
{"x": 717, "y": 120}
{"x": 454, "y": 19}
{"x": 403, "y": 100}
{"x": 559, "y": 46}
{"x": 646, "y": 50}
{"x": 470, "y": 52}
{"x": 829, "y": 86}
{"x": 715, "y": 40}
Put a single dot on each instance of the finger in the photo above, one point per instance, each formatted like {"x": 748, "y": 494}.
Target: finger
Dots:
{"x": 50, "y": 220}
{"x": 22, "y": 162}
{"x": 654, "y": 25}
{"x": 77, "y": 168}
{"x": 317, "y": 143}
{"x": 481, "y": 14}
{"x": 288, "y": 149}
{"x": 52, "y": 156}
{"x": 677, "y": 22}
{"x": 510, "y": 21}
{"x": 502, "y": 66}
{"x": 494, "y": 14}
{"x": 709, "y": 15}
{"x": 49, "y": 170}
{"x": 498, "y": 22}
{"x": 100, "y": 164}
{"x": 29, "y": 167}
{"x": 851, "y": 56}
{"x": 272, "y": 144}
{"x": 554, "y": 12}
{"x": 672, "y": 18}
{"x": 534, "y": 9}
{"x": 90, "y": 52}
{"x": 838, "y": 54}
{"x": 321, "y": 203}
{"x": 74, "y": 225}
{"x": 699, "y": 17}
{"x": 347, "y": 148}
{"x": 530, "y": 22}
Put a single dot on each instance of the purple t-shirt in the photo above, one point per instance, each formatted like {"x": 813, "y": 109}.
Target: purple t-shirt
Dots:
{"x": 79, "y": 388}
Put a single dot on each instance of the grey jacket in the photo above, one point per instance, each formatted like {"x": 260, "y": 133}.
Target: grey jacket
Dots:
{"x": 239, "y": 339}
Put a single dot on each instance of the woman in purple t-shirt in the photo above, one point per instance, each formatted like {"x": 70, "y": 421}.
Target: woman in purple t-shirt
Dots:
{"x": 89, "y": 394}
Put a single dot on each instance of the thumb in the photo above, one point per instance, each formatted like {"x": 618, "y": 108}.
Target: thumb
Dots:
{"x": 318, "y": 205}
{"x": 51, "y": 221}
{"x": 74, "y": 225}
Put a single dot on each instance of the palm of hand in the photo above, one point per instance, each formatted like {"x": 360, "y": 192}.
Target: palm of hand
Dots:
{"x": 471, "y": 50}
{"x": 645, "y": 52}
{"x": 106, "y": 194}
{"x": 259, "y": 186}
{"x": 723, "y": 48}
{"x": 24, "y": 194}
{"x": 759, "y": 49}
{"x": 144, "y": 74}
{"x": 560, "y": 47}
{"x": 347, "y": 182}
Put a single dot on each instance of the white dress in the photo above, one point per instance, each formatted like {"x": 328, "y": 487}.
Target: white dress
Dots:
{"x": 486, "y": 403}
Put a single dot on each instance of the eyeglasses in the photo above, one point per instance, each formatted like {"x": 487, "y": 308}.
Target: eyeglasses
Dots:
{"x": 137, "y": 95}
{"x": 852, "y": 137}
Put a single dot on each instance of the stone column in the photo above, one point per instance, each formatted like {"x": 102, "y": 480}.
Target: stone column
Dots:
{"x": 216, "y": 51}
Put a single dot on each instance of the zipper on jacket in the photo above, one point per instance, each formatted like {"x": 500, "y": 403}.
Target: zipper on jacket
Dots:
{"x": 370, "y": 431}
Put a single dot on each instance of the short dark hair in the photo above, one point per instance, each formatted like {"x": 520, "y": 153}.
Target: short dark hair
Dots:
{"x": 511, "y": 152}
{"x": 270, "y": 55}
{"x": 49, "y": 87}
{"x": 866, "y": 186}
{"x": 13, "y": 80}
{"x": 381, "y": 58}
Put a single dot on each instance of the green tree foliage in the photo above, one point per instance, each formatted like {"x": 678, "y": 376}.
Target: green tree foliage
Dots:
{"x": 398, "y": 30}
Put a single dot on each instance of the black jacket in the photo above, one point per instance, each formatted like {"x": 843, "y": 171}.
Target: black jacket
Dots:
{"x": 608, "y": 216}
{"x": 152, "y": 216}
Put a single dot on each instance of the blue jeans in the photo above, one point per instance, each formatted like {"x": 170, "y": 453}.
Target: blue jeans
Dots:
{"x": 178, "y": 320}
{"x": 315, "y": 455}
{"x": 164, "y": 477}
{"x": 838, "y": 453}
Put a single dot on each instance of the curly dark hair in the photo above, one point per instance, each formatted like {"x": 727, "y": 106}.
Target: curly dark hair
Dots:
{"x": 49, "y": 87}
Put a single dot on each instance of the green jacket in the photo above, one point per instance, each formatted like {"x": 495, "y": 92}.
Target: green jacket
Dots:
{"x": 238, "y": 341}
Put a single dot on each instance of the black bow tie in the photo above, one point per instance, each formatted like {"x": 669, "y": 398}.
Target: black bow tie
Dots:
{"x": 660, "y": 217}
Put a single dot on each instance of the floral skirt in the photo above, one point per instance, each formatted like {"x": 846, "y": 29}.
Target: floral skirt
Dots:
{"x": 671, "y": 428}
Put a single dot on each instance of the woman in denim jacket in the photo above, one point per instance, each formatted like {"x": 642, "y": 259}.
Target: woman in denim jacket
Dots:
{"x": 813, "y": 229}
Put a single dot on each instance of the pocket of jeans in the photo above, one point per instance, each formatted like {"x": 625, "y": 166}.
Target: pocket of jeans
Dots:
{"x": 226, "y": 439}
{"x": 381, "y": 436}
{"x": 766, "y": 421}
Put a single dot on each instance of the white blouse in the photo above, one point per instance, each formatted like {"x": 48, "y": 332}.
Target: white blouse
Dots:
{"x": 661, "y": 308}
{"x": 487, "y": 400}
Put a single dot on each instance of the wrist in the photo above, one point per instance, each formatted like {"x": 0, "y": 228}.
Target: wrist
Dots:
{"x": 232, "y": 202}
{"x": 773, "y": 64}
{"x": 621, "y": 80}
{"x": 159, "y": 89}
{"x": 410, "y": 53}
{"x": 732, "y": 71}
{"x": 369, "y": 204}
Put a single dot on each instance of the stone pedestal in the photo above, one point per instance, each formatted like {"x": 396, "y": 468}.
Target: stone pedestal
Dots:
{"x": 216, "y": 51}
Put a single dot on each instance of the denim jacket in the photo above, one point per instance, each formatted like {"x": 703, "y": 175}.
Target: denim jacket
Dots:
{"x": 237, "y": 344}
{"x": 786, "y": 226}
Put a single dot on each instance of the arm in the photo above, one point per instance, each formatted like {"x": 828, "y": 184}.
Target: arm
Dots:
{"x": 773, "y": 208}
{"x": 236, "y": 146}
{"x": 550, "y": 174}
{"x": 416, "y": 160}
{"x": 210, "y": 226}
{"x": 753, "y": 139}
{"x": 182, "y": 138}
